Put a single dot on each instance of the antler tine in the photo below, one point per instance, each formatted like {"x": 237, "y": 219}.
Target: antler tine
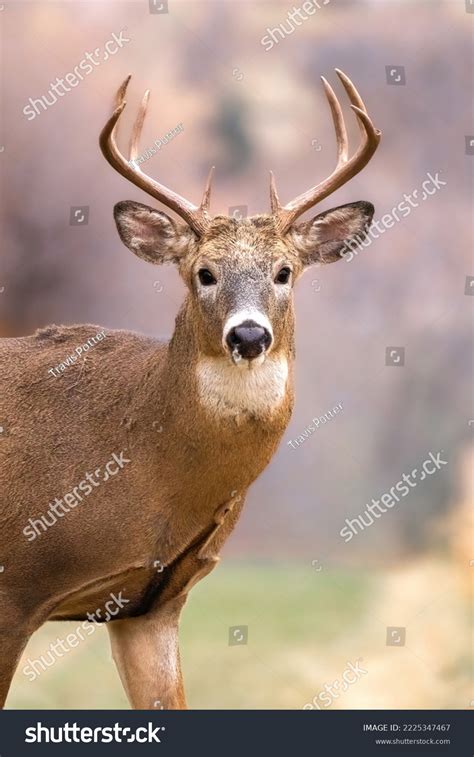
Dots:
{"x": 274, "y": 199}
{"x": 197, "y": 217}
{"x": 370, "y": 132}
{"x": 345, "y": 169}
{"x": 206, "y": 197}
{"x": 353, "y": 95}
{"x": 341, "y": 137}
{"x": 138, "y": 126}
{"x": 120, "y": 94}
{"x": 352, "y": 92}
{"x": 339, "y": 124}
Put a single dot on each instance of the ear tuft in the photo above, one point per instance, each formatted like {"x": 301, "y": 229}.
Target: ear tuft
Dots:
{"x": 151, "y": 234}
{"x": 323, "y": 239}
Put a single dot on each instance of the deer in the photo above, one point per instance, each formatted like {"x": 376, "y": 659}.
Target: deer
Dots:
{"x": 188, "y": 423}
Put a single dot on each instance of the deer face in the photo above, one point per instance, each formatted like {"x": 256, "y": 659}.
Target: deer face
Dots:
{"x": 240, "y": 281}
{"x": 240, "y": 274}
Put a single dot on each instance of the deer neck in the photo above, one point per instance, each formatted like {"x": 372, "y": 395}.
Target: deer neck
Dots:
{"x": 209, "y": 441}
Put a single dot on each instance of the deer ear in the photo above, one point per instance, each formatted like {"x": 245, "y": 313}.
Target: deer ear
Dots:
{"x": 151, "y": 234}
{"x": 323, "y": 239}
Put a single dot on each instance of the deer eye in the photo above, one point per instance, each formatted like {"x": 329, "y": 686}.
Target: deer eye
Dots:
{"x": 205, "y": 277}
{"x": 283, "y": 275}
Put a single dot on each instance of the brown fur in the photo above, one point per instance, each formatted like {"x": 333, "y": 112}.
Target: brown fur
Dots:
{"x": 190, "y": 467}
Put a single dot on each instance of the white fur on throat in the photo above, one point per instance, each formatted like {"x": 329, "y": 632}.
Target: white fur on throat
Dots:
{"x": 254, "y": 388}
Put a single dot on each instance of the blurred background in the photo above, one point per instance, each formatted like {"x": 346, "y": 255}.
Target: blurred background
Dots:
{"x": 291, "y": 604}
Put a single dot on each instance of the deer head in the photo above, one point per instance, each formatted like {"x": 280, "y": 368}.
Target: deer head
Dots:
{"x": 240, "y": 273}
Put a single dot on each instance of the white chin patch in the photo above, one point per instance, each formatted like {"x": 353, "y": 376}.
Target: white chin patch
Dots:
{"x": 245, "y": 363}
{"x": 259, "y": 360}
{"x": 255, "y": 386}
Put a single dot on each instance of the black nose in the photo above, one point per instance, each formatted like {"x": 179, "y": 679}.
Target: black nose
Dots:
{"x": 249, "y": 339}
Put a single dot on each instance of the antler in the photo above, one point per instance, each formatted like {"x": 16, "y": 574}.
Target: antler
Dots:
{"x": 196, "y": 216}
{"x": 345, "y": 168}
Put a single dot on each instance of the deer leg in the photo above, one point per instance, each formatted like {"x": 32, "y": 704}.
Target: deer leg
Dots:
{"x": 12, "y": 645}
{"x": 146, "y": 653}
{"x": 145, "y": 649}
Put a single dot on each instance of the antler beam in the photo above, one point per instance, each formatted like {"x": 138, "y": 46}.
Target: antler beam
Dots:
{"x": 197, "y": 217}
{"x": 345, "y": 169}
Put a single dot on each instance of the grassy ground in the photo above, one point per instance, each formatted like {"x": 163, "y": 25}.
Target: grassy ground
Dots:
{"x": 292, "y": 614}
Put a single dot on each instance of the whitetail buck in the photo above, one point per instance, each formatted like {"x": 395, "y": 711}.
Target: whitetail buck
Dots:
{"x": 197, "y": 419}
